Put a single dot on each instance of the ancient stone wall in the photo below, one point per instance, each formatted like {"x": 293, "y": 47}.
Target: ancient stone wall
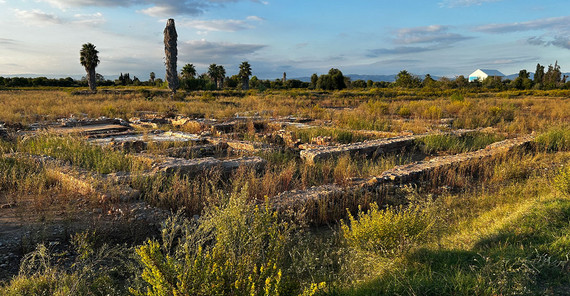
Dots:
{"x": 329, "y": 202}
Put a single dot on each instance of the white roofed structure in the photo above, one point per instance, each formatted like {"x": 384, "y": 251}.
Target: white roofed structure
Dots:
{"x": 481, "y": 74}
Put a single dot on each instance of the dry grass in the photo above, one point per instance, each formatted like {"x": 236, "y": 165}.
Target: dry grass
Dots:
{"x": 353, "y": 110}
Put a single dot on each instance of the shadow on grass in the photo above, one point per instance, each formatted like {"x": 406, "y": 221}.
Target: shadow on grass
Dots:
{"x": 527, "y": 256}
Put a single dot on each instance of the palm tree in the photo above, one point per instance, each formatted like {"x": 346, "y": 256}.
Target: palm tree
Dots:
{"x": 152, "y": 77}
{"x": 188, "y": 71}
{"x": 213, "y": 73}
{"x": 89, "y": 59}
{"x": 244, "y": 73}
{"x": 171, "y": 52}
{"x": 221, "y": 75}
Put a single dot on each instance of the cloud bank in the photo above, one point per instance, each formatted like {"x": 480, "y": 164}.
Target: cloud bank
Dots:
{"x": 464, "y": 3}
{"x": 420, "y": 39}
{"x": 155, "y": 8}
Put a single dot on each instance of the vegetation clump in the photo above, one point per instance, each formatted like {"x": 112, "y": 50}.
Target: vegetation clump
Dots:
{"x": 389, "y": 231}
{"x": 236, "y": 249}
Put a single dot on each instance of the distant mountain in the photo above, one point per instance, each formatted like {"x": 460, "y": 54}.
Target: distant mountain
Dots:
{"x": 387, "y": 78}
{"x": 513, "y": 76}
{"x": 56, "y": 76}
{"x": 50, "y": 76}
{"x": 375, "y": 78}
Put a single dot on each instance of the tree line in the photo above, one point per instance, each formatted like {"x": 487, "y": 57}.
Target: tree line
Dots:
{"x": 215, "y": 78}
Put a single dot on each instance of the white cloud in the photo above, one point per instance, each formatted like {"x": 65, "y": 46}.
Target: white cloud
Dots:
{"x": 205, "y": 52}
{"x": 553, "y": 23}
{"x": 417, "y": 40}
{"x": 40, "y": 18}
{"x": 216, "y": 25}
{"x": 155, "y": 8}
{"x": 37, "y": 17}
{"x": 460, "y": 3}
{"x": 163, "y": 9}
{"x": 556, "y": 30}
{"x": 427, "y": 34}
{"x": 94, "y": 19}
{"x": 255, "y": 18}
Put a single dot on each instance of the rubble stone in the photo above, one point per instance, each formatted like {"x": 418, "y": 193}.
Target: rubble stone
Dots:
{"x": 374, "y": 147}
{"x": 368, "y": 148}
{"x": 325, "y": 195}
{"x": 193, "y": 167}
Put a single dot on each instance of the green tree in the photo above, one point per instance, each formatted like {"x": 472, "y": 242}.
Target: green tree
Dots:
{"x": 407, "y": 80}
{"x": 461, "y": 82}
{"x": 337, "y": 78}
{"x": 524, "y": 74}
{"x": 233, "y": 81}
{"x": 244, "y": 73}
{"x": 539, "y": 75}
{"x": 213, "y": 73}
{"x": 152, "y": 77}
{"x": 188, "y": 71}
{"x": 217, "y": 73}
{"x": 254, "y": 82}
{"x": 221, "y": 72}
{"x": 314, "y": 79}
{"x": 88, "y": 56}
{"x": 325, "y": 82}
{"x": 171, "y": 52}
{"x": 492, "y": 82}
{"x": 523, "y": 81}
{"x": 358, "y": 84}
{"x": 428, "y": 81}
{"x": 553, "y": 76}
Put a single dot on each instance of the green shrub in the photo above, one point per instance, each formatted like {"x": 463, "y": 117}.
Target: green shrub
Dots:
{"x": 236, "y": 249}
{"x": 386, "y": 232}
{"x": 457, "y": 97}
{"x": 404, "y": 112}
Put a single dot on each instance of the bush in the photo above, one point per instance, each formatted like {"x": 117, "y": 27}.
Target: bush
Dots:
{"x": 456, "y": 97}
{"x": 405, "y": 112}
{"x": 236, "y": 249}
{"x": 387, "y": 232}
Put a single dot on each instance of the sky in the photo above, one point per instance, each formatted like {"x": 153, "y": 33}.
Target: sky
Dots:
{"x": 368, "y": 37}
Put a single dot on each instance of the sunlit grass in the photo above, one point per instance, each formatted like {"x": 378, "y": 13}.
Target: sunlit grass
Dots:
{"x": 80, "y": 153}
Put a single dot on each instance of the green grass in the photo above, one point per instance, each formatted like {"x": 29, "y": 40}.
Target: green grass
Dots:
{"x": 556, "y": 139}
{"x": 79, "y": 152}
{"x": 23, "y": 175}
{"x": 457, "y": 144}
{"x": 338, "y": 135}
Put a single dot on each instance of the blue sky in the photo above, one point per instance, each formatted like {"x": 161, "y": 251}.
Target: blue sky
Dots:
{"x": 440, "y": 37}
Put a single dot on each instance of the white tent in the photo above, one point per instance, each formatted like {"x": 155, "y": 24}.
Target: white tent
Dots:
{"x": 481, "y": 74}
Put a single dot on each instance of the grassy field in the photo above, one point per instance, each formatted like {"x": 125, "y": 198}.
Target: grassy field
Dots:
{"x": 500, "y": 227}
